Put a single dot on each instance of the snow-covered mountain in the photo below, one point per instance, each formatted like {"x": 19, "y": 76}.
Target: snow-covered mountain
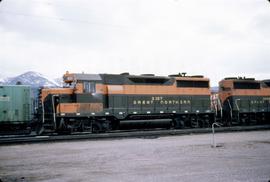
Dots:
{"x": 31, "y": 78}
{"x": 59, "y": 81}
{"x": 2, "y": 79}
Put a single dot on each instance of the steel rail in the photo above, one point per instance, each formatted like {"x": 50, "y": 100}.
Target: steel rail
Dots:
{"x": 120, "y": 135}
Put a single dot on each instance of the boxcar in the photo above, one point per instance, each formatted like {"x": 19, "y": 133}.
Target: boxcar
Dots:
{"x": 15, "y": 108}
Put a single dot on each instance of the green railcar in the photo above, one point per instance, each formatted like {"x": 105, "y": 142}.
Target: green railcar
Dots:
{"x": 15, "y": 107}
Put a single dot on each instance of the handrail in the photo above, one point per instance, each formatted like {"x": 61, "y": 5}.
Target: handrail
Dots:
{"x": 54, "y": 115}
{"x": 43, "y": 112}
{"x": 220, "y": 106}
{"x": 215, "y": 106}
{"x": 238, "y": 110}
{"x": 237, "y": 104}
{"x": 230, "y": 108}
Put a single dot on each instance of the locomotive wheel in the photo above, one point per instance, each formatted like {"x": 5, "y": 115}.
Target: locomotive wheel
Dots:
{"x": 179, "y": 123}
{"x": 106, "y": 125}
{"x": 261, "y": 119}
{"x": 206, "y": 121}
{"x": 244, "y": 121}
{"x": 194, "y": 122}
{"x": 81, "y": 129}
{"x": 96, "y": 127}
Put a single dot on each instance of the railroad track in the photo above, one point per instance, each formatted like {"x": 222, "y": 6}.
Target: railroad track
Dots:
{"x": 7, "y": 140}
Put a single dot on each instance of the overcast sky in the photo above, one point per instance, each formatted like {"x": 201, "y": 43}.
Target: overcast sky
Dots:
{"x": 216, "y": 38}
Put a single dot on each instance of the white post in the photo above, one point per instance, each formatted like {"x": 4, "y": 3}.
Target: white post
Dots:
{"x": 213, "y": 134}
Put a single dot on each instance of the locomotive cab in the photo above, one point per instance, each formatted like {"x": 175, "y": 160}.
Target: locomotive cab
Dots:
{"x": 65, "y": 108}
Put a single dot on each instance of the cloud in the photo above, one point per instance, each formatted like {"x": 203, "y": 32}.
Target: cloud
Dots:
{"x": 214, "y": 38}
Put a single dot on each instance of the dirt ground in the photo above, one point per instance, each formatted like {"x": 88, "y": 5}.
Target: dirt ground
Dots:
{"x": 243, "y": 156}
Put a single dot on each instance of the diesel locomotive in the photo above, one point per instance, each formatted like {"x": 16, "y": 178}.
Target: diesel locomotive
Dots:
{"x": 105, "y": 102}
{"x": 102, "y": 102}
{"x": 244, "y": 101}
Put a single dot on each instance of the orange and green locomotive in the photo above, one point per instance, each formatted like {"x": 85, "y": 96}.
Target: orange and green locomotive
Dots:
{"x": 103, "y": 102}
{"x": 244, "y": 101}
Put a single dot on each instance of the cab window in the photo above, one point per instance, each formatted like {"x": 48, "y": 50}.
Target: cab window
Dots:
{"x": 89, "y": 87}
{"x": 225, "y": 88}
